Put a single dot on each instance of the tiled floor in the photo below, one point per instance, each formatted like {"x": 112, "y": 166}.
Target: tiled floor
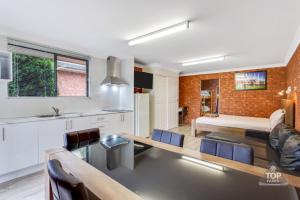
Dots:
{"x": 189, "y": 141}
{"x": 27, "y": 188}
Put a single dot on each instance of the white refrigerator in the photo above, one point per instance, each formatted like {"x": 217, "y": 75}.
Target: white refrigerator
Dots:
{"x": 142, "y": 114}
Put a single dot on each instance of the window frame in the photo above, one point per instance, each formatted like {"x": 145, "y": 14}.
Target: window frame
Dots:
{"x": 87, "y": 93}
{"x": 55, "y": 55}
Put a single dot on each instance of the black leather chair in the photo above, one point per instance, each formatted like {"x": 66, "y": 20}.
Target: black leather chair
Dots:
{"x": 64, "y": 186}
{"x": 71, "y": 140}
{"x": 82, "y": 138}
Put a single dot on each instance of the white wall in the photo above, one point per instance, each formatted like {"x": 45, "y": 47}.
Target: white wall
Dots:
{"x": 30, "y": 106}
{"x": 293, "y": 46}
{"x": 126, "y": 93}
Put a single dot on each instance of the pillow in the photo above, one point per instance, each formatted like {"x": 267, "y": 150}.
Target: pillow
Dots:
{"x": 284, "y": 133}
{"x": 292, "y": 146}
{"x": 276, "y": 112}
{"x": 276, "y": 117}
{"x": 273, "y": 136}
{"x": 290, "y": 156}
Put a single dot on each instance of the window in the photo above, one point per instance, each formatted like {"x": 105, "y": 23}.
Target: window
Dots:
{"x": 39, "y": 73}
{"x": 71, "y": 76}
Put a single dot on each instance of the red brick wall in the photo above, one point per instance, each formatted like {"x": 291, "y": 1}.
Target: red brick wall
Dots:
{"x": 293, "y": 80}
{"x": 256, "y": 103}
{"x": 71, "y": 83}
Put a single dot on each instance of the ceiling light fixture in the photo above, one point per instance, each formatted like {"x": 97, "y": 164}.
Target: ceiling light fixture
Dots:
{"x": 203, "y": 60}
{"x": 204, "y": 163}
{"x": 159, "y": 33}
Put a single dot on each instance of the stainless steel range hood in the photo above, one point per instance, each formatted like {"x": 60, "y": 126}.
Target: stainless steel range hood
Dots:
{"x": 113, "y": 72}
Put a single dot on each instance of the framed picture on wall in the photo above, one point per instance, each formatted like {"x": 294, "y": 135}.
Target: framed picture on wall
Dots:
{"x": 251, "y": 80}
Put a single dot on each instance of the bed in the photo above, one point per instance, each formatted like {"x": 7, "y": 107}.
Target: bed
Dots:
{"x": 242, "y": 124}
{"x": 254, "y": 123}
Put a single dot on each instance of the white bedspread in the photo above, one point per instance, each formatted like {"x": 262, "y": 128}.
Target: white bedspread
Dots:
{"x": 254, "y": 123}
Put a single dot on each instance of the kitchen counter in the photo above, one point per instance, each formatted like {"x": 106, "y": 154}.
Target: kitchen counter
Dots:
{"x": 16, "y": 120}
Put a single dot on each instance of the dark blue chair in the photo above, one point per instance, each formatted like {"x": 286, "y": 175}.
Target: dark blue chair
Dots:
{"x": 233, "y": 151}
{"x": 177, "y": 139}
{"x": 156, "y": 135}
{"x": 208, "y": 146}
{"x": 243, "y": 153}
{"x": 166, "y": 137}
{"x": 225, "y": 150}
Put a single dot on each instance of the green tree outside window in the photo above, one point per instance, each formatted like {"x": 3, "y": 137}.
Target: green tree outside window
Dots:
{"x": 32, "y": 76}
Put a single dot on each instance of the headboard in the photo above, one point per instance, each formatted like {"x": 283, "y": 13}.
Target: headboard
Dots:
{"x": 289, "y": 107}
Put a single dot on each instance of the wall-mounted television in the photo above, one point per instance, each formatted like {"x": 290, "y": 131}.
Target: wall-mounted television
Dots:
{"x": 143, "y": 80}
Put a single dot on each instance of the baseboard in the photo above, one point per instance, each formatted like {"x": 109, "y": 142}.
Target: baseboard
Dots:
{"x": 20, "y": 173}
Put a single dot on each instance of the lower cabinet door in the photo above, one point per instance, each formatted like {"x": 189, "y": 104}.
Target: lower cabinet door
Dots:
{"x": 81, "y": 123}
{"x": 111, "y": 125}
{"x": 50, "y": 136}
{"x": 18, "y": 147}
{"x": 128, "y": 123}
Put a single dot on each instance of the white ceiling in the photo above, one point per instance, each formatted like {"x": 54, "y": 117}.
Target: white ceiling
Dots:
{"x": 249, "y": 32}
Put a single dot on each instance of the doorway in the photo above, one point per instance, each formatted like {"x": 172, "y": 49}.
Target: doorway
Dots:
{"x": 210, "y": 97}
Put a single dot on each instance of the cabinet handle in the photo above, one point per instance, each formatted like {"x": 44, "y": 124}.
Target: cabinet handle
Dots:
{"x": 71, "y": 121}
{"x": 3, "y": 134}
{"x": 100, "y": 119}
{"x": 101, "y": 126}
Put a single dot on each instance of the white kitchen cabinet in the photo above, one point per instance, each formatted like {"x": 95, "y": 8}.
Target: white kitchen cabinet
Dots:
{"x": 104, "y": 123}
{"x": 116, "y": 123}
{"x": 18, "y": 147}
{"x": 108, "y": 124}
{"x": 80, "y": 123}
{"x": 5, "y": 66}
{"x": 50, "y": 136}
{"x": 23, "y": 145}
{"x": 121, "y": 123}
{"x": 128, "y": 123}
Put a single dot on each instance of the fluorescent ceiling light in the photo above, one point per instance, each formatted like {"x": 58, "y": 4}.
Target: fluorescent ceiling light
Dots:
{"x": 204, "y": 163}
{"x": 204, "y": 60}
{"x": 160, "y": 33}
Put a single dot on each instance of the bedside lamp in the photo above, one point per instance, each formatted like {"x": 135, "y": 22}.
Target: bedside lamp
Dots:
{"x": 288, "y": 90}
{"x": 281, "y": 93}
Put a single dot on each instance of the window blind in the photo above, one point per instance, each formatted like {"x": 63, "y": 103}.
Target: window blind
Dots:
{"x": 19, "y": 46}
{"x": 27, "y": 51}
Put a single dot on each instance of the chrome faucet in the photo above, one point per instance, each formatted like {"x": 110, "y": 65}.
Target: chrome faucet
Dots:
{"x": 56, "y": 110}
